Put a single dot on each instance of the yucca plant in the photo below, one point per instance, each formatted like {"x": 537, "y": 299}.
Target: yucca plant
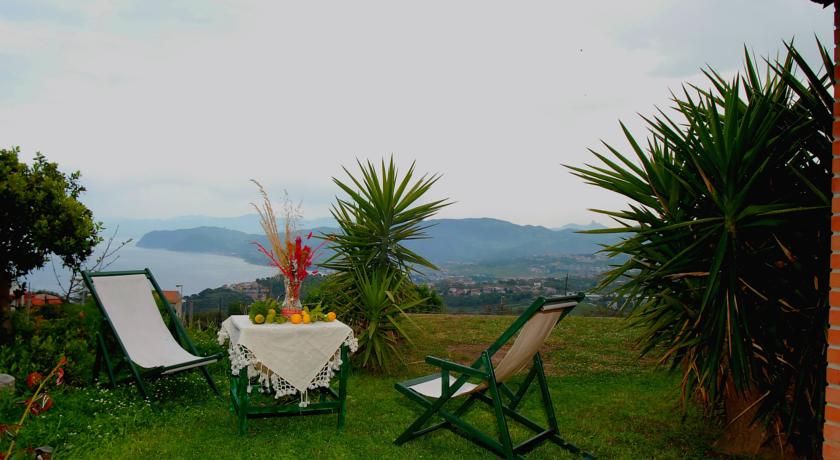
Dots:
{"x": 382, "y": 212}
{"x": 372, "y": 288}
{"x": 374, "y": 304}
{"x": 728, "y": 237}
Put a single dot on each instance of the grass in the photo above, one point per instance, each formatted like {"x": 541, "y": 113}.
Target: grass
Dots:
{"x": 608, "y": 402}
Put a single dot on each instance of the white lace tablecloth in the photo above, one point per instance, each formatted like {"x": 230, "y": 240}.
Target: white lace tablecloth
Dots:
{"x": 287, "y": 358}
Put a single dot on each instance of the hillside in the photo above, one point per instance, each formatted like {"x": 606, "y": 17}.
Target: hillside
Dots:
{"x": 247, "y": 223}
{"x": 213, "y": 240}
{"x": 450, "y": 241}
{"x": 485, "y": 239}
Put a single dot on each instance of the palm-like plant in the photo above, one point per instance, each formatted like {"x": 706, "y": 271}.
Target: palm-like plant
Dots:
{"x": 382, "y": 213}
{"x": 372, "y": 288}
{"x": 727, "y": 235}
{"x": 374, "y": 306}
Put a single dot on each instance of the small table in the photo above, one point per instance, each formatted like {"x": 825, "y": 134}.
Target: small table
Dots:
{"x": 288, "y": 359}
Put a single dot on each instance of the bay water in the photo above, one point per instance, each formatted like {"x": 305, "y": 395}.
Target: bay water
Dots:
{"x": 194, "y": 271}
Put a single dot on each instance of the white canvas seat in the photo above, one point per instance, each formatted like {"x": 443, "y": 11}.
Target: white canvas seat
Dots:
{"x": 519, "y": 356}
{"x": 432, "y": 388}
{"x": 130, "y": 311}
{"x": 490, "y": 384}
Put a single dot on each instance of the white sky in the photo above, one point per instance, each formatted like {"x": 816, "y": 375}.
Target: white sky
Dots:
{"x": 168, "y": 108}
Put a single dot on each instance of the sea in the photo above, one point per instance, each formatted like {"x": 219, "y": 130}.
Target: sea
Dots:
{"x": 194, "y": 271}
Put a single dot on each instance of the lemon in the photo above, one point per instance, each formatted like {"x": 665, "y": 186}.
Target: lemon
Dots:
{"x": 306, "y": 319}
{"x": 259, "y": 319}
{"x": 331, "y": 316}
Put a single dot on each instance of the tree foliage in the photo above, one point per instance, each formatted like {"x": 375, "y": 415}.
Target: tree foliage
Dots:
{"x": 728, "y": 233}
{"x": 41, "y": 215}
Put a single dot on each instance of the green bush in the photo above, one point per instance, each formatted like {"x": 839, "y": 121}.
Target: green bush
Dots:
{"x": 43, "y": 335}
{"x": 429, "y": 300}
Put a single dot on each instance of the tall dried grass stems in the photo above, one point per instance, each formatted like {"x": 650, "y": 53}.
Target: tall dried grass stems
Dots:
{"x": 282, "y": 246}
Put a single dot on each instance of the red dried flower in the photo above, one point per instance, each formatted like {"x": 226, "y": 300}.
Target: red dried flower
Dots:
{"x": 59, "y": 376}
{"x": 41, "y": 405}
{"x": 33, "y": 379}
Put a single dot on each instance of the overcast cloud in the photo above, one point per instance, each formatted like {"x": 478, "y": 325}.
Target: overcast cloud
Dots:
{"x": 168, "y": 108}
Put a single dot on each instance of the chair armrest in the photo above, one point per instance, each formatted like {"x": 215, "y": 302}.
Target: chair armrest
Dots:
{"x": 455, "y": 367}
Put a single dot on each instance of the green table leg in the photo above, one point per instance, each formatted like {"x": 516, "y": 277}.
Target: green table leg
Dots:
{"x": 233, "y": 393}
{"x": 342, "y": 386}
{"x": 242, "y": 414}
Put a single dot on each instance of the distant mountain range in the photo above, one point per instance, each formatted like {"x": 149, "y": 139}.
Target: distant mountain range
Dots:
{"x": 590, "y": 226}
{"x": 450, "y": 240}
{"x": 247, "y": 223}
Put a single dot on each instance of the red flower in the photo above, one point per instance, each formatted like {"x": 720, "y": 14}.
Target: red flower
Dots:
{"x": 62, "y": 361}
{"x": 33, "y": 379}
{"x": 42, "y": 404}
{"x": 59, "y": 376}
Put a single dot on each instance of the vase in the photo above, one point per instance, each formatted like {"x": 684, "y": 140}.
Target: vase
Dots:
{"x": 291, "y": 302}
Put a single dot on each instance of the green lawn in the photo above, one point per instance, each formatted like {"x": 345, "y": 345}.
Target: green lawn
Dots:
{"x": 608, "y": 402}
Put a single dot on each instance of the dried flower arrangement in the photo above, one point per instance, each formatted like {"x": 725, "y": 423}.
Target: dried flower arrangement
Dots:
{"x": 288, "y": 252}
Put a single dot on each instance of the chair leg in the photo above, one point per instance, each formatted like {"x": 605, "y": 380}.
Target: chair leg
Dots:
{"x": 97, "y": 361}
{"x": 523, "y": 389}
{"x": 498, "y": 408}
{"x": 413, "y": 430}
{"x": 546, "y": 395}
{"x": 550, "y": 415}
{"x": 108, "y": 365}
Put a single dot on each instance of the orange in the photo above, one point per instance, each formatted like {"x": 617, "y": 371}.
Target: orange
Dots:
{"x": 296, "y": 318}
{"x": 331, "y": 316}
{"x": 306, "y": 319}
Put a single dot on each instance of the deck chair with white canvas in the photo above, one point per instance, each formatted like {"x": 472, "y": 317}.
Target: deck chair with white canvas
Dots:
{"x": 131, "y": 319}
{"x": 490, "y": 384}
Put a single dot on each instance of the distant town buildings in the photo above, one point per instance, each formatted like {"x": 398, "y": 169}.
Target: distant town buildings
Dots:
{"x": 174, "y": 299}
{"x": 35, "y": 299}
{"x": 250, "y": 288}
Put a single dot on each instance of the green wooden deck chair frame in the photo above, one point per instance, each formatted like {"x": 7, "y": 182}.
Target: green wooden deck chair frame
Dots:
{"x": 116, "y": 364}
{"x": 490, "y": 392}
{"x": 329, "y": 400}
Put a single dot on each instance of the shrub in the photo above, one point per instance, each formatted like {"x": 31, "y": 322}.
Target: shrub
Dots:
{"x": 728, "y": 236}
{"x": 55, "y": 330}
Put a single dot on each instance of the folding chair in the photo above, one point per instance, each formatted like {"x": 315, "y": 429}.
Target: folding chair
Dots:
{"x": 433, "y": 391}
{"x": 148, "y": 348}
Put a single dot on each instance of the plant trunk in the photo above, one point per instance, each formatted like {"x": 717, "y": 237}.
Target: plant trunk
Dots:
{"x": 743, "y": 438}
{"x": 6, "y": 331}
